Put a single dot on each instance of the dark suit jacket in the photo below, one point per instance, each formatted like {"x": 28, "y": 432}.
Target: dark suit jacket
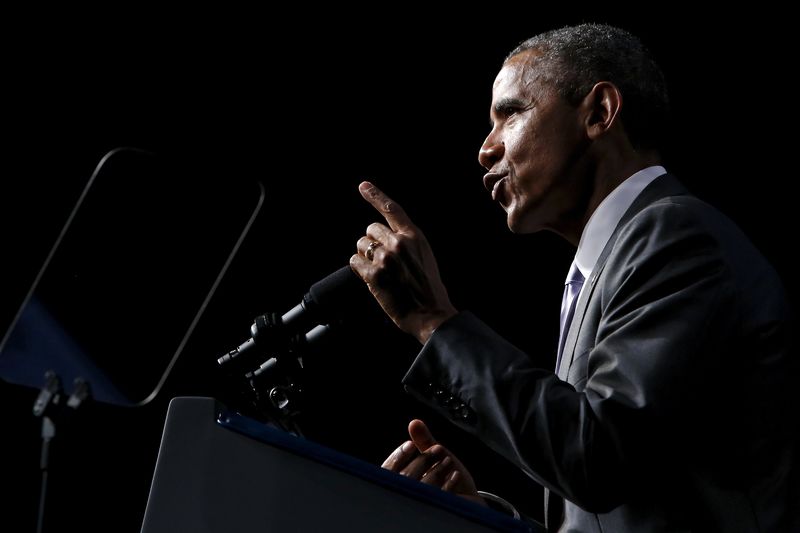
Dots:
{"x": 669, "y": 411}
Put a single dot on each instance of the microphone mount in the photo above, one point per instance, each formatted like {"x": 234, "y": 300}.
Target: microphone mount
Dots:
{"x": 272, "y": 358}
{"x": 272, "y": 390}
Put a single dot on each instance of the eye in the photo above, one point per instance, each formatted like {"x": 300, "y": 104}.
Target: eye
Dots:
{"x": 507, "y": 111}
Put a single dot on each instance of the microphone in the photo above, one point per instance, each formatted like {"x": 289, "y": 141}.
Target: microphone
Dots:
{"x": 338, "y": 295}
{"x": 311, "y": 337}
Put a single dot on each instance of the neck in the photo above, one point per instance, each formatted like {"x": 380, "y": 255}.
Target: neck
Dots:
{"x": 606, "y": 174}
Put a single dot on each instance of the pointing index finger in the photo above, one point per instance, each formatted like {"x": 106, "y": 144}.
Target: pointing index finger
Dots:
{"x": 391, "y": 210}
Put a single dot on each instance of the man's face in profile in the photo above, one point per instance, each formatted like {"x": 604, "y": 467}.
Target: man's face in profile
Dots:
{"x": 533, "y": 152}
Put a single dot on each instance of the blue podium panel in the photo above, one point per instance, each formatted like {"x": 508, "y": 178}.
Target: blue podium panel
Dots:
{"x": 221, "y": 472}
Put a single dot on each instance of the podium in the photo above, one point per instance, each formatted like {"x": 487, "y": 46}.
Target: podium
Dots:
{"x": 222, "y": 472}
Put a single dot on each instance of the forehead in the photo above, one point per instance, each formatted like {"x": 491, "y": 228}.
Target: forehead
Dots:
{"x": 519, "y": 77}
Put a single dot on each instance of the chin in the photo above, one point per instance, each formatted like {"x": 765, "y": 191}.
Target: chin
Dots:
{"x": 521, "y": 225}
{"x": 515, "y": 224}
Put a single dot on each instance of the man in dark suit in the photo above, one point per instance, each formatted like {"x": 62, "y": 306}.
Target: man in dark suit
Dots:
{"x": 668, "y": 407}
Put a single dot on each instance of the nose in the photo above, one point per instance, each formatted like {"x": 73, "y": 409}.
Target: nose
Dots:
{"x": 491, "y": 151}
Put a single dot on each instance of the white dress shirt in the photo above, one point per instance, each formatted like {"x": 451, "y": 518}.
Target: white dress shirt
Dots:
{"x": 605, "y": 218}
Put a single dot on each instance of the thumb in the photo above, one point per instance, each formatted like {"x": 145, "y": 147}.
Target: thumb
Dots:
{"x": 420, "y": 435}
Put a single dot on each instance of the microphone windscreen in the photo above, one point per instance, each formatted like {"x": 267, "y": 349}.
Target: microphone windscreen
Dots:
{"x": 340, "y": 293}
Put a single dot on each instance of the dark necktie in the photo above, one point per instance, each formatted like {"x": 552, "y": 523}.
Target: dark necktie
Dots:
{"x": 571, "y": 289}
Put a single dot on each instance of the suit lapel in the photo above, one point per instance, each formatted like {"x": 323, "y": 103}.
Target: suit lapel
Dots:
{"x": 661, "y": 187}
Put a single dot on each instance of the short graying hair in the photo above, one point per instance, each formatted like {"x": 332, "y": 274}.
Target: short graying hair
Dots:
{"x": 575, "y": 58}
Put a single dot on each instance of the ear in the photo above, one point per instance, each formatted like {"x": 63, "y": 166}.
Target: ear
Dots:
{"x": 602, "y": 106}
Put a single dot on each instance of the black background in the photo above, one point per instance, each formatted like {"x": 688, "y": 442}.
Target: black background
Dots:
{"x": 310, "y": 103}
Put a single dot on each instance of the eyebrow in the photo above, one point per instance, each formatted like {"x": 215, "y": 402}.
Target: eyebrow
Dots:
{"x": 505, "y": 103}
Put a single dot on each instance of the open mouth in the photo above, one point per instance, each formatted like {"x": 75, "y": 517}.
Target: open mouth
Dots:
{"x": 494, "y": 182}
{"x": 491, "y": 179}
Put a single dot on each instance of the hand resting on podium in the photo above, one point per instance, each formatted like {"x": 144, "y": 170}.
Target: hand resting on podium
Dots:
{"x": 425, "y": 460}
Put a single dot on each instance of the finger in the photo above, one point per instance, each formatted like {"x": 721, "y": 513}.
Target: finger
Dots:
{"x": 437, "y": 475}
{"x": 391, "y": 210}
{"x": 421, "y": 435}
{"x": 379, "y": 232}
{"x": 400, "y": 458}
{"x": 452, "y": 481}
{"x": 423, "y": 462}
{"x": 364, "y": 243}
{"x": 363, "y": 267}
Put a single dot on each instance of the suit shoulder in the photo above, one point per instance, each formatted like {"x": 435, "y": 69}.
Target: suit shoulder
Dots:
{"x": 685, "y": 228}
{"x": 679, "y": 216}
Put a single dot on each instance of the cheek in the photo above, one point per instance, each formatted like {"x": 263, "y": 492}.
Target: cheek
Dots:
{"x": 526, "y": 158}
{"x": 518, "y": 148}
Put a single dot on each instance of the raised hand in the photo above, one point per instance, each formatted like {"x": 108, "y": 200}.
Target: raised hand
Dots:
{"x": 400, "y": 270}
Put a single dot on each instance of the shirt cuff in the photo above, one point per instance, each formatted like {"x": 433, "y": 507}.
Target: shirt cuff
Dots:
{"x": 499, "y": 504}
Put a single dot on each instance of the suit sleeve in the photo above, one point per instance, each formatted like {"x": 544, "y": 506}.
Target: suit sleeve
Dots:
{"x": 666, "y": 302}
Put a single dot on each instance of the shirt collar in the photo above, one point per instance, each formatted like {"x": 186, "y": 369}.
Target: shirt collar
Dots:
{"x": 608, "y": 214}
